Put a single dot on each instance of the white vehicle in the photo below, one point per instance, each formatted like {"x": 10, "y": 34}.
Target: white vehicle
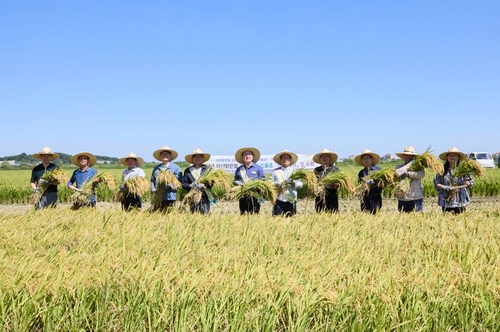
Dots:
{"x": 483, "y": 158}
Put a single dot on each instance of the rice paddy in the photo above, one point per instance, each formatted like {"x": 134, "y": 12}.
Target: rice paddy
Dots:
{"x": 98, "y": 270}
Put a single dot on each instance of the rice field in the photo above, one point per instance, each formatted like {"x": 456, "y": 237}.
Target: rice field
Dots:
{"x": 14, "y": 185}
{"x": 96, "y": 270}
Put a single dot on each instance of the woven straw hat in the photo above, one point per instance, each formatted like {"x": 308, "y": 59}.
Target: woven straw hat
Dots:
{"x": 444, "y": 155}
{"x": 239, "y": 154}
{"x": 173, "y": 153}
{"x": 46, "y": 150}
{"x": 409, "y": 150}
{"x": 189, "y": 157}
{"x": 277, "y": 157}
{"x": 317, "y": 156}
{"x": 375, "y": 157}
{"x": 131, "y": 155}
{"x": 92, "y": 158}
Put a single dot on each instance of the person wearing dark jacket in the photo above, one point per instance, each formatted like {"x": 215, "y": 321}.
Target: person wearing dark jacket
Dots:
{"x": 190, "y": 180}
{"x": 49, "y": 197}
{"x": 327, "y": 160}
{"x": 372, "y": 200}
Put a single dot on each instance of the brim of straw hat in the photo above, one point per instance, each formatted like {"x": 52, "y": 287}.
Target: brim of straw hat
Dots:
{"x": 139, "y": 163}
{"x": 400, "y": 154}
{"x": 444, "y": 155}
{"x": 277, "y": 157}
{"x": 173, "y": 154}
{"x": 189, "y": 157}
{"x": 92, "y": 158}
{"x": 39, "y": 155}
{"x": 375, "y": 158}
{"x": 333, "y": 157}
{"x": 239, "y": 158}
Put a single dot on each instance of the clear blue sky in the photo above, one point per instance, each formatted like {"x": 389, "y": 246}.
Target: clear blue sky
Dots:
{"x": 111, "y": 77}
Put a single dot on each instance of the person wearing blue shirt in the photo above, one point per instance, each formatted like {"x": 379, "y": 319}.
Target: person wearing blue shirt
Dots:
{"x": 166, "y": 156}
{"x": 248, "y": 171}
{"x": 85, "y": 173}
{"x": 372, "y": 200}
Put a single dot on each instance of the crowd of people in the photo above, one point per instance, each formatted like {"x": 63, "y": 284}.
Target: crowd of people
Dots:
{"x": 451, "y": 198}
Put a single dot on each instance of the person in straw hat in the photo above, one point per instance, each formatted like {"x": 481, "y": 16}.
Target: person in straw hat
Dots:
{"x": 84, "y": 173}
{"x": 49, "y": 197}
{"x": 133, "y": 170}
{"x": 372, "y": 200}
{"x": 248, "y": 171}
{"x": 191, "y": 176}
{"x": 326, "y": 159}
{"x": 166, "y": 155}
{"x": 452, "y": 192}
{"x": 286, "y": 203}
{"x": 413, "y": 198}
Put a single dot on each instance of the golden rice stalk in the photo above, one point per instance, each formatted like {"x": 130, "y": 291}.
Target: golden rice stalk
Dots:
{"x": 55, "y": 175}
{"x": 136, "y": 186}
{"x": 192, "y": 197}
{"x": 426, "y": 160}
{"x": 107, "y": 179}
{"x": 165, "y": 178}
{"x": 215, "y": 177}
{"x": 307, "y": 177}
{"x": 467, "y": 167}
{"x": 255, "y": 188}
{"x": 386, "y": 177}
{"x": 338, "y": 178}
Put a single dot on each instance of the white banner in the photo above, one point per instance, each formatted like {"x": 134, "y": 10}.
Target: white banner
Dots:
{"x": 229, "y": 164}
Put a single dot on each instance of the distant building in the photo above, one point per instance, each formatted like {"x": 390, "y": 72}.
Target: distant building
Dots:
{"x": 388, "y": 157}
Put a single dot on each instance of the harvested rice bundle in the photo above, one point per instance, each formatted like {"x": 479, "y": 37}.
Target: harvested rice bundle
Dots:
{"x": 426, "y": 160}
{"x": 307, "y": 177}
{"x": 136, "y": 186}
{"x": 255, "y": 188}
{"x": 81, "y": 197}
{"x": 55, "y": 175}
{"x": 467, "y": 167}
{"x": 165, "y": 178}
{"x": 210, "y": 178}
{"x": 335, "y": 178}
{"x": 386, "y": 177}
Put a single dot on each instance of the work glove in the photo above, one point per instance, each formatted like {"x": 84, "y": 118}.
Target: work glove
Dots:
{"x": 238, "y": 183}
{"x": 192, "y": 185}
{"x": 35, "y": 190}
{"x": 122, "y": 187}
{"x": 329, "y": 186}
{"x": 370, "y": 182}
{"x": 290, "y": 183}
{"x": 170, "y": 186}
{"x": 446, "y": 188}
{"x": 200, "y": 186}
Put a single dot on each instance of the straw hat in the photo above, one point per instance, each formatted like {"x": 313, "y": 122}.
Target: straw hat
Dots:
{"x": 409, "y": 150}
{"x": 317, "y": 156}
{"x": 277, "y": 157}
{"x": 444, "y": 155}
{"x": 189, "y": 157}
{"x": 375, "y": 157}
{"x": 173, "y": 153}
{"x": 239, "y": 155}
{"x": 46, "y": 150}
{"x": 92, "y": 158}
{"x": 131, "y": 155}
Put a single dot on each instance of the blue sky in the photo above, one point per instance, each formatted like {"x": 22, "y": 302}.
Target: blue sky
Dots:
{"x": 113, "y": 77}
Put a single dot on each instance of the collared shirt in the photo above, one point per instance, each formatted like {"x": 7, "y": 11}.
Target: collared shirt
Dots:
{"x": 132, "y": 173}
{"x": 375, "y": 190}
{"x": 168, "y": 194}
{"x": 253, "y": 172}
{"x": 80, "y": 177}
{"x": 276, "y": 180}
{"x": 38, "y": 172}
